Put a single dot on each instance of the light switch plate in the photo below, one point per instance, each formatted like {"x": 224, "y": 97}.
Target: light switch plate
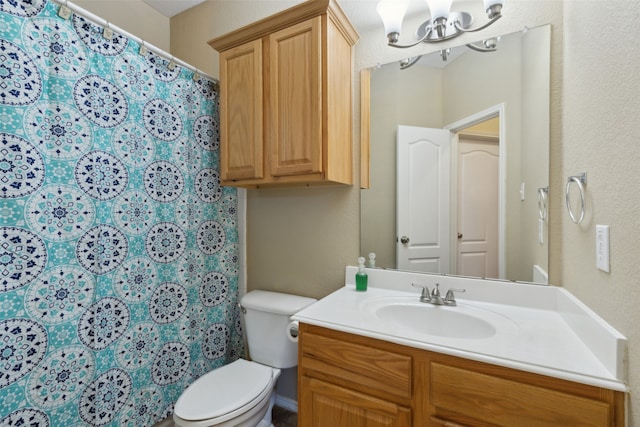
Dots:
{"x": 602, "y": 247}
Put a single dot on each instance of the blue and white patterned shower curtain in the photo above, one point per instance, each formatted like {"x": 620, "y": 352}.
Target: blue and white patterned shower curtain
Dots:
{"x": 118, "y": 247}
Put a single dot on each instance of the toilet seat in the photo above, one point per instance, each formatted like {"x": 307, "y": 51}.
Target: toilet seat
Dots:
{"x": 226, "y": 392}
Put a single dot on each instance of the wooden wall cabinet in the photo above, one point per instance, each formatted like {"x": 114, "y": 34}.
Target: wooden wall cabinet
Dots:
{"x": 347, "y": 380}
{"x": 286, "y": 99}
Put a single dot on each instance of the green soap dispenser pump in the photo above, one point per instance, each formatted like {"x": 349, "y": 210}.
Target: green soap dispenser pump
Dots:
{"x": 361, "y": 276}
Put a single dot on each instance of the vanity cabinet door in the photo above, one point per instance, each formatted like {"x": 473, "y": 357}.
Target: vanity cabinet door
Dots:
{"x": 324, "y": 404}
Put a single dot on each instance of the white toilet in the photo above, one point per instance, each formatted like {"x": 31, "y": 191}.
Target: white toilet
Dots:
{"x": 242, "y": 393}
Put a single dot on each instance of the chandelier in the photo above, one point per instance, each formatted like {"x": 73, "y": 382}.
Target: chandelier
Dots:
{"x": 443, "y": 24}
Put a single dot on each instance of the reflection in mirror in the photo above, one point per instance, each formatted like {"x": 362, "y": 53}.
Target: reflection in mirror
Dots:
{"x": 494, "y": 109}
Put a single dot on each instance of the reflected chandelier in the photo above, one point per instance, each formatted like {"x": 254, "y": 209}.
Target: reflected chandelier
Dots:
{"x": 442, "y": 25}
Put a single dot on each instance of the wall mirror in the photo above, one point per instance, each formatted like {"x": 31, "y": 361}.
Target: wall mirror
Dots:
{"x": 426, "y": 208}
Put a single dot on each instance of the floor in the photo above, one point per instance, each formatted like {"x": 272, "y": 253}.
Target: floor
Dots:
{"x": 284, "y": 418}
{"x": 281, "y": 418}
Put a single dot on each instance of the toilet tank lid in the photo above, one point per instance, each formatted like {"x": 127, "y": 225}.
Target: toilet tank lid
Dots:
{"x": 275, "y": 302}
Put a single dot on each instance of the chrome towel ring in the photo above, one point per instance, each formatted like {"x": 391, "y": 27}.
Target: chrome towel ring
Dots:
{"x": 580, "y": 181}
{"x": 543, "y": 209}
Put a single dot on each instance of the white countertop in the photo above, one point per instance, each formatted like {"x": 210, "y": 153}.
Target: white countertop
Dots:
{"x": 547, "y": 331}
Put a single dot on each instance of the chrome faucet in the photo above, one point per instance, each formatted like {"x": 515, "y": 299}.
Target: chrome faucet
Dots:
{"x": 435, "y": 297}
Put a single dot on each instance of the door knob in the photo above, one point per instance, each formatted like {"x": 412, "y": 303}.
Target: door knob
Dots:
{"x": 459, "y": 235}
{"x": 404, "y": 240}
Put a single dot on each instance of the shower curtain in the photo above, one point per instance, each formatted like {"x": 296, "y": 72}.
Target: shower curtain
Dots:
{"x": 118, "y": 246}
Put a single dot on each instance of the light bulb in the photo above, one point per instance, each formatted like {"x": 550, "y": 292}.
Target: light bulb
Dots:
{"x": 392, "y": 13}
{"x": 493, "y": 7}
{"x": 440, "y": 8}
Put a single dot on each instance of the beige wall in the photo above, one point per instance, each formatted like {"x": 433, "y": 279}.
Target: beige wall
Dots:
{"x": 300, "y": 240}
{"x": 133, "y": 16}
{"x": 600, "y": 128}
{"x": 192, "y": 29}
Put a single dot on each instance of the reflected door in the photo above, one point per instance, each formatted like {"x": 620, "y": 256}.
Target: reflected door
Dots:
{"x": 422, "y": 217}
{"x": 478, "y": 208}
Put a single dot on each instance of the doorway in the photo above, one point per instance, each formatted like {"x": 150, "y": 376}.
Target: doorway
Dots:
{"x": 477, "y": 202}
{"x": 478, "y": 206}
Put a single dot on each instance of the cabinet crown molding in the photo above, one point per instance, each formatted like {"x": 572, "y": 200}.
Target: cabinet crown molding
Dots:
{"x": 300, "y": 13}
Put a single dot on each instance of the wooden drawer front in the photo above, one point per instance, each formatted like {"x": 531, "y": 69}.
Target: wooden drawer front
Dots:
{"x": 510, "y": 403}
{"x": 326, "y": 405}
{"x": 371, "y": 370}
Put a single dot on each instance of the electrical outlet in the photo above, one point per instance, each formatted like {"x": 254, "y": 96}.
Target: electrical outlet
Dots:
{"x": 602, "y": 247}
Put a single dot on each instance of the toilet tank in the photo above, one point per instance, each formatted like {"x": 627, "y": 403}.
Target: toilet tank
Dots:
{"x": 266, "y": 316}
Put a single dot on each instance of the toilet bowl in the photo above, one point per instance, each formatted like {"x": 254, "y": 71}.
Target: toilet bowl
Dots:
{"x": 238, "y": 394}
{"x": 242, "y": 393}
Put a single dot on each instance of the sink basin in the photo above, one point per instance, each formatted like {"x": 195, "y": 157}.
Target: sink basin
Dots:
{"x": 436, "y": 320}
{"x": 460, "y": 322}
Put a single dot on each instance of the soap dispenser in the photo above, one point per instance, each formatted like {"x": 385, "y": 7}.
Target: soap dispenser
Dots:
{"x": 372, "y": 260}
{"x": 361, "y": 276}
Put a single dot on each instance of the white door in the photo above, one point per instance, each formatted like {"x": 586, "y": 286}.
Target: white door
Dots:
{"x": 423, "y": 177}
{"x": 478, "y": 208}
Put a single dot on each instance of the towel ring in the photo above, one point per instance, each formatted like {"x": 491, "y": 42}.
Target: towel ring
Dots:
{"x": 580, "y": 181}
{"x": 542, "y": 203}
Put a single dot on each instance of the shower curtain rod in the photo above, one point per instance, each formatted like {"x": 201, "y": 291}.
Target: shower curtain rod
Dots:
{"x": 104, "y": 23}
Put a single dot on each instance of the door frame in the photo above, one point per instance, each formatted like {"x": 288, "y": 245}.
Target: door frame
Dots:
{"x": 455, "y": 128}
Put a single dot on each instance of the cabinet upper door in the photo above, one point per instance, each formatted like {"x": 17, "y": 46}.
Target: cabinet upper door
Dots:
{"x": 295, "y": 99}
{"x": 241, "y": 115}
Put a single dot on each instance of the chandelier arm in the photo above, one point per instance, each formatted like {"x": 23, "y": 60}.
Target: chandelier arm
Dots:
{"x": 423, "y": 39}
{"x": 480, "y": 49}
{"x": 406, "y": 64}
{"x": 472, "y": 30}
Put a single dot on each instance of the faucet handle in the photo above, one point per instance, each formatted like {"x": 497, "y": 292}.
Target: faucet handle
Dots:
{"x": 435, "y": 293}
{"x": 450, "y": 298}
{"x": 424, "y": 296}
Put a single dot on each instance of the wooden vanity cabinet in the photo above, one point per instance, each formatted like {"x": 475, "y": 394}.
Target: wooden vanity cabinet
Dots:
{"x": 349, "y": 380}
{"x": 286, "y": 99}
